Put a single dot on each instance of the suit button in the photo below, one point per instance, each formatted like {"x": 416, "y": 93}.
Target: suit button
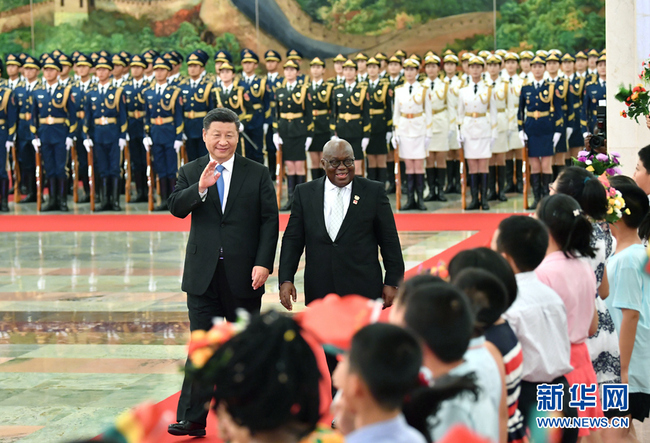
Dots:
{"x": 223, "y": 225}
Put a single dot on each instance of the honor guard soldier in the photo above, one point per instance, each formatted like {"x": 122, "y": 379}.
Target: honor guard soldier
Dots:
{"x": 421, "y": 75}
{"x": 230, "y": 94}
{"x": 595, "y": 91}
{"x": 383, "y": 64}
{"x": 525, "y": 57}
{"x": 464, "y": 61}
{"x": 66, "y": 67}
{"x": 257, "y": 94}
{"x": 456, "y": 83}
{"x": 105, "y": 131}
{"x": 562, "y": 91}
{"x": 149, "y": 76}
{"x": 577, "y": 83}
{"x": 338, "y": 78}
{"x": 350, "y": 116}
{"x": 197, "y": 102}
{"x": 54, "y": 123}
{"x": 296, "y": 56}
{"x": 439, "y": 91}
{"x": 514, "y": 157}
{"x": 135, "y": 108}
{"x": 321, "y": 101}
{"x": 119, "y": 70}
{"x": 499, "y": 148}
{"x": 592, "y": 60}
{"x": 13, "y": 66}
{"x": 80, "y": 88}
{"x": 25, "y": 101}
{"x": 380, "y": 109}
{"x": 175, "y": 59}
{"x": 8, "y": 118}
{"x": 163, "y": 128}
{"x": 477, "y": 115}
{"x": 126, "y": 56}
{"x": 293, "y": 127}
{"x": 411, "y": 121}
{"x": 394, "y": 72}
{"x": 274, "y": 81}
{"x": 395, "y": 79}
{"x": 220, "y": 57}
{"x": 362, "y": 67}
{"x": 540, "y": 123}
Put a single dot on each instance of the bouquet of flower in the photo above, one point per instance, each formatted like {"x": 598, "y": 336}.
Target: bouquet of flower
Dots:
{"x": 615, "y": 201}
{"x": 636, "y": 99}
{"x": 599, "y": 163}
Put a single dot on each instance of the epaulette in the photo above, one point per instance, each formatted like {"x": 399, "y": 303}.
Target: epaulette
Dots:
{"x": 339, "y": 87}
{"x": 591, "y": 82}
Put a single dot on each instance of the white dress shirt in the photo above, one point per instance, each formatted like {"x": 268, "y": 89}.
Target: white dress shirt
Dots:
{"x": 248, "y": 79}
{"x": 291, "y": 86}
{"x": 317, "y": 84}
{"x": 228, "y": 166}
{"x": 160, "y": 87}
{"x": 137, "y": 83}
{"x": 12, "y": 83}
{"x": 538, "y": 319}
{"x": 271, "y": 76}
{"x": 51, "y": 88}
{"x": 330, "y": 198}
{"x": 227, "y": 89}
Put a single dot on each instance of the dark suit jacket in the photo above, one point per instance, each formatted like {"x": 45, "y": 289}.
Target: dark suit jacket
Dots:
{"x": 247, "y": 231}
{"x": 349, "y": 265}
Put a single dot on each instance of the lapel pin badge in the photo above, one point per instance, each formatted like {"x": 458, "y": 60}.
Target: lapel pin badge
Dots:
{"x": 356, "y": 199}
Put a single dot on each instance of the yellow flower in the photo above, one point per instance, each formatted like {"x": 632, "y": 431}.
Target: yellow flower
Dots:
{"x": 635, "y": 96}
{"x": 590, "y": 168}
{"x": 198, "y": 334}
{"x": 610, "y": 210}
{"x": 201, "y": 356}
{"x": 627, "y": 211}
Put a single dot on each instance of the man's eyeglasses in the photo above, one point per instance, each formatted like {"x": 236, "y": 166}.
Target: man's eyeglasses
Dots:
{"x": 348, "y": 162}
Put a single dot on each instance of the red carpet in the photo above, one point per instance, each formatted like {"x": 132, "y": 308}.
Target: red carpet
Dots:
{"x": 169, "y": 223}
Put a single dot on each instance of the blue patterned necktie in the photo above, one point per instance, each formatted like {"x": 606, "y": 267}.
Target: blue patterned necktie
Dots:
{"x": 220, "y": 169}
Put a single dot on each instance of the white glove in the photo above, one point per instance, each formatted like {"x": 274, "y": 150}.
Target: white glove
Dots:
{"x": 128, "y": 138}
{"x": 265, "y": 127}
{"x": 389, "y": 136}
{"x": 569, "y": 131}
{"x": 427, "y": 142}
{"x": 122, "y": 143}
{"x": 395, "y": 141}
{"x": 9, "y": 145}
{"x": 277, "y": 140}
{"x": 308, "y": 143}
{"x": 556, "y": 138}
{"x": 68, "y": 143}
{"x": 88, "y": 143}
{"x": 585, "y": 134}
{"x": 147, "y": 142}
{"x": 334, "y": 137}
{"x": 36, "y": 143}
{"x": 184, "y": 137}
{"x": 241, "y": 127}
{"x": 459, "y": 138}
{"x": 523, "y": 137}
{"x": 177, "y": 145}
{"x": 364, "y": 143}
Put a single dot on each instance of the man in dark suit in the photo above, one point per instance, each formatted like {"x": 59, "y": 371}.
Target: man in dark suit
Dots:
{"x": 340, "y": 221}
{"x": 232, "y": 243}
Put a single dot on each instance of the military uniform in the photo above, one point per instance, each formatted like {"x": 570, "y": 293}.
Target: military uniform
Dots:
{"x": 197, "y": 102}
{"x": 54, "y": 123}
{"x": 232, "y": 97}
{"x": 163, "y": 127}
{"x": 135, "y": 109}
{"x": 594, "y": 92}
{"x": 106, "y": 124}
{"x": 79, "y": 91}
{"x": 577, "y": 85}
{"x": 274, "y": 81}
{"x": 257, "y": 94}
{"x": 350, "y": 118}
{"x": 8, "y": 118}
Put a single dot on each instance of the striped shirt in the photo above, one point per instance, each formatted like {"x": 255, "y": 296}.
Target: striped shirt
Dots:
{"x": 505, "y": 340}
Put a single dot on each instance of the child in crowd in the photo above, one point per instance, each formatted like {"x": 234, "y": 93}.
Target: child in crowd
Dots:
{"x": 629, "y": 302}
{"x": 642, "y": 170}
{"x": 375, "y": 377}
{"x": 565, "y": 270}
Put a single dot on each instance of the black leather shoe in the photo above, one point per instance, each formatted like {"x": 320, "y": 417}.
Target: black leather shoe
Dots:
{"x": 185, "y": 427}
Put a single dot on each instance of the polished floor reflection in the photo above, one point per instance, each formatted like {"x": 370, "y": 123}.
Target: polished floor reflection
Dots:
{"x": 92, "y": 323}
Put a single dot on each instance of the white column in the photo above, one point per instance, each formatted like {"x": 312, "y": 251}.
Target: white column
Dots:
{"x": 628, "y": 45}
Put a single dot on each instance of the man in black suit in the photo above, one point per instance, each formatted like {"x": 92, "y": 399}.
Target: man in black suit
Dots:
{"x": 232, "y": 243}
{"x": 340, "y": 221}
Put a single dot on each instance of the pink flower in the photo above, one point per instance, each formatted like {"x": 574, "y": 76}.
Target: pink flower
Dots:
{"x": 582, "y": 159}
{"x": 615, "y": 154}
{"x": 617, "y": 170}
{"x": 602, "y": 157}
{"x": 610, "y": 171}
{"x": 583, "y": 153}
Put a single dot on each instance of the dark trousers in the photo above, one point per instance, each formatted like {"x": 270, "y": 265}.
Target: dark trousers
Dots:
{"x": 108, "y": 159}
{"x": 138, "y": 155}
{"x": 218, "y": 301}
{"x": 3, "y": 159}
{"x": 82, "y": 159}
{"x": 195, "y": 148}
{"x": 271, "y": 152}
{"x": 165, "y": 160}
{"x": 528, "y": 406}
{"x": 55, "y": 158}
{"x": 257, "y": 136}
{"x": 26, "y": 155}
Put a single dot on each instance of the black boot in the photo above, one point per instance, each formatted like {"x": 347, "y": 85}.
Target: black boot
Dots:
{"x": 484, "y": 185}
{"x": 4, "y": 195}
{"x": 419, "y": 187}
{"x": 402, "y": 170}
{"x": 116, "y": 194}
{"x": 104, "y": 195}
{"x": 450, "y": 177}
{"x": 440, "y": 181}
{"x": 164, "y": 194}
{"x": 457, "y": 184}
{"x": 51, "y": 202}
{"x": 315, "y": 173}
{"x": 547, "y": 179}
{"x": 381, "y": 176}
{"x": 491, "y": 192}
{"x": 86, "y": 185}
{"x": 30, "y": 186}
{"x": 431, "y": 181}
{"x": 555, "y": 172}
{"x": 63, "y": 195}
{"x": 568, "y": 162}
{"x": 291, "y": 184}
{"x": 536, "y": 185}
{"x": 510, "y": 177}
{"x": 519, "y": 175}
{"x": 473, "y": 183}
{"x": 390, "y": 171}
{"x": 501, "y": 178}
{"x": 410, "y": 186}
{"x": 372, "y": 174}
{"x": 141, "y": 185}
